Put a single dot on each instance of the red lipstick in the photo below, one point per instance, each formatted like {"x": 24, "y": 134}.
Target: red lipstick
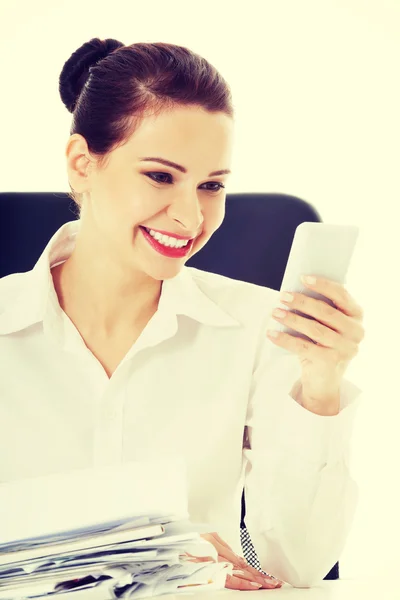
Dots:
{"x": 167, "y": 250}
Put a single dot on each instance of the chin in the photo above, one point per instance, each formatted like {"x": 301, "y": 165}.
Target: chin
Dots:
{"x": 161, "y": 272}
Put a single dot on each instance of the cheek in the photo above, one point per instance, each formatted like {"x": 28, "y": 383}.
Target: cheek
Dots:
{"x": 118, "y": 224}
{"x": 127, "y": 214}
{"x": 213, "y": 219}
{"x": 214, "y": 213}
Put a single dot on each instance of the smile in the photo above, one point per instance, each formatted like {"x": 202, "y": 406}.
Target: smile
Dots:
{"x": 167, "y": 245}
{"x": 167, "y": 240}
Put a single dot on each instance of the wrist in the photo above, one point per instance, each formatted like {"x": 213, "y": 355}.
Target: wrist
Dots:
{"x": 329, "y": 405}
{"x": 326, "y": 404}
{"x": 324, "y": 409}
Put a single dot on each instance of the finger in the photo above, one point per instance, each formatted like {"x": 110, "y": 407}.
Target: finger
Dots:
{"x": 237, "y": 583}
{"x": 325, "y": 336}
{"x": 193, "y": 558}
{"x": 223, "y": 550}
{"x": 265, "y": 581}
{"x": 221, "y": 541}
{"x": 255, "y": 573}
{"x": 296, "y": 345}
{"x": 338, "y": 294}
{"x": 320, "y": 348}
{"x": 225, "y": 553}
{"x": 317, "y": 309}
{"x": 268, "y": 578}
{"x": 312, "y": 328}
{"x": 323, "y": 315}
{"x": 242, "y": 561}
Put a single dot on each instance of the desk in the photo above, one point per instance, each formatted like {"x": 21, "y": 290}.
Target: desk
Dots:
{"x": 371, "y": 588}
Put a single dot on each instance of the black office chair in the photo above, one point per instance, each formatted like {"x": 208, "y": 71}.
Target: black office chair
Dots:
{"x": 252, "y": 244}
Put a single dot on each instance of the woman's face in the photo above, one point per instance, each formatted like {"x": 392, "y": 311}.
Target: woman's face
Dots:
{"x": 129, "y": 192}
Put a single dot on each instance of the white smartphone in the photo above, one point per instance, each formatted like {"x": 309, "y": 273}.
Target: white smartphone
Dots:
{"x": 322, "y": 249}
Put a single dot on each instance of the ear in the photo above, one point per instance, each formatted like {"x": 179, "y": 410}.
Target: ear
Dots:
{"x": 79, "y": 163}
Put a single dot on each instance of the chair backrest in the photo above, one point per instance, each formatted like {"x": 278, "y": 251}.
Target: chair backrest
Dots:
{"x": 252, "y": 244}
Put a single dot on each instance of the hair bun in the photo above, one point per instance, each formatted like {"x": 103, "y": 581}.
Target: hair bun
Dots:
{"x": 76, "y": 69}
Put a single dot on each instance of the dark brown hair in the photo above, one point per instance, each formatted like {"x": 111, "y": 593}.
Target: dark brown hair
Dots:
{"x": 110, "y": 87}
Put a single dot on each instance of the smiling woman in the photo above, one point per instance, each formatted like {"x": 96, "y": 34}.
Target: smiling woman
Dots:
{"x": 113, "y": 350}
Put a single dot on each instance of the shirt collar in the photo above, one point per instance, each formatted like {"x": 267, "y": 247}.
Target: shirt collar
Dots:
{"x": 36, "y": 294}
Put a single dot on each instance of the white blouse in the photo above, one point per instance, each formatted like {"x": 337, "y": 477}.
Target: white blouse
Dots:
{"x": 200, "y": 383}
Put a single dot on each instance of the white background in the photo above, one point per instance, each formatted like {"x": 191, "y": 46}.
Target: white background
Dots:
{"x": 317, "y": 96}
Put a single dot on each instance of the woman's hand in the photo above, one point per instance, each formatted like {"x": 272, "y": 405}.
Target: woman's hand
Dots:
{"x": 244, "y": 576}
{"x": 336, "y": 333}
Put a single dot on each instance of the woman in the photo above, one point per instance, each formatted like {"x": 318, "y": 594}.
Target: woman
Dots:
{"x": 127, "y": 353}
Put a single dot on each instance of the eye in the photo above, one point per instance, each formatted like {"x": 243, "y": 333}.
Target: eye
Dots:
{"x": 154, "y": 173}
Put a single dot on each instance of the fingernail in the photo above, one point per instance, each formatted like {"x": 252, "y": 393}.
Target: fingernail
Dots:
{"x": 272, "y": 333}
{"x": 258, "y": 585}
{"x": 286, "y": 296}
{"x": 308, "y": 279}
{"x": 271, "y": 582}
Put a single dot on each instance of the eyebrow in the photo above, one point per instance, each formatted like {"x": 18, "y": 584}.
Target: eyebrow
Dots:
{"x": 169, "y": 163}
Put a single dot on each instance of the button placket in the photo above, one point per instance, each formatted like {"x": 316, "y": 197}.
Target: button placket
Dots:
{"x": 108, "y": 431}
{"x": 109, "y": 416}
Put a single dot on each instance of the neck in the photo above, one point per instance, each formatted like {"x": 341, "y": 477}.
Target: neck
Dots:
{"x": 99, "y": 295}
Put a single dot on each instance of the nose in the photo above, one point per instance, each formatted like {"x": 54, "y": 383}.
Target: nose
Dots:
{"x": 186, "y": 210}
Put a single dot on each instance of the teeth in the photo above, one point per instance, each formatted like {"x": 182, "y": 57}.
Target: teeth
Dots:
{"x": 166, "y": 240}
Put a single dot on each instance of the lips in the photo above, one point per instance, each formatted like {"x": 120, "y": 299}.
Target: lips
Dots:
{"x": 173, "y": 235}
{"x": 166, "y": 250}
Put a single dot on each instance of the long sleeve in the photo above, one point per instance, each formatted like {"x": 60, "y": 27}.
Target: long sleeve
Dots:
{"x": 300, "y": 497}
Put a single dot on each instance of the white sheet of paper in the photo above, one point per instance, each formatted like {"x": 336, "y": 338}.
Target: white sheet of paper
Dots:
{"x": 81, "y": 498}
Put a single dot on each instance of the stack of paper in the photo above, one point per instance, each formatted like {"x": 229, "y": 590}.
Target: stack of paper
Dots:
{"x": 133, "y": 551}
